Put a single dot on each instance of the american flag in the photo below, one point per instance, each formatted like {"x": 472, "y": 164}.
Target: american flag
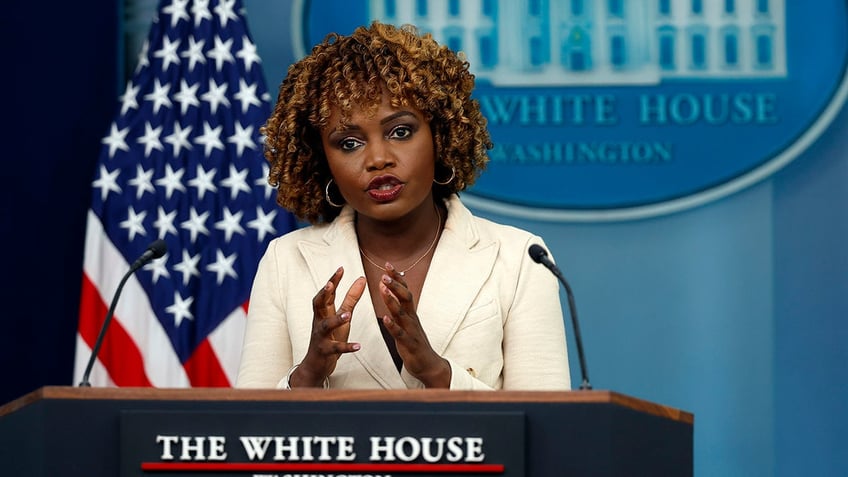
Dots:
{"x": 183, "y": 162}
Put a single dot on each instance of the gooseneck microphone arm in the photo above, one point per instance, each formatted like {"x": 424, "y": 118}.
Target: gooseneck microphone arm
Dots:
{"x": 540, "y": 255}
{"x": 155, "y": 250}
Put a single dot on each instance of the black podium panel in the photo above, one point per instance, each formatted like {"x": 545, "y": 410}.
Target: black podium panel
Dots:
{"x": 90, "y": 432}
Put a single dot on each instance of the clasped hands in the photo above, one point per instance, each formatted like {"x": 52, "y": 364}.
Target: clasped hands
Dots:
{"x": 331, "y": 330}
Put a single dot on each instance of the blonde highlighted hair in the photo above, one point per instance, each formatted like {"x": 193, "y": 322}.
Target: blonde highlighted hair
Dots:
{"x": 349, "y": 72}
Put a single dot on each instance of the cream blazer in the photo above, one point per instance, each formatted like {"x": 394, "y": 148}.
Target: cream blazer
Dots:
{"x": 486, "y": 307}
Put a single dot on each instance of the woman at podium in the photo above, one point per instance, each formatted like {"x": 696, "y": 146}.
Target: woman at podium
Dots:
{"x": 395, "y": 284}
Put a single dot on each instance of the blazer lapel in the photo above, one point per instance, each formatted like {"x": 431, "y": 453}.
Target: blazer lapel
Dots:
{"x": 460, "y": 267}
{"x": 339, "y": 247}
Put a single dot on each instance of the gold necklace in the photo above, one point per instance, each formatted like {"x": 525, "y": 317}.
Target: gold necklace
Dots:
{"x": 429, "y": 249}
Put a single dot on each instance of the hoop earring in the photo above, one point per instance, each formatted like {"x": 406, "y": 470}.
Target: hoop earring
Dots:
{"x": 450, "y": 179}
{"x": 327, "y": 195}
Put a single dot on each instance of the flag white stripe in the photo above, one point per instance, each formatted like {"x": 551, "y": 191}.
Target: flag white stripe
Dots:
{"x": 227, "y": 340}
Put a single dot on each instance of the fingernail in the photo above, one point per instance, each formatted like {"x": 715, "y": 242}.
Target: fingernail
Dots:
{"x": 389, "y": 267}
{"x": 345, "y": 316}
{"x": 356, "y": 346}
{"x": 328, "y": 285}
{"x": 387, "y": 279}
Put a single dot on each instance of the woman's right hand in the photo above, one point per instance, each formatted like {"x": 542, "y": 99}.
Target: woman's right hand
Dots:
{"x": 330, "y": 332}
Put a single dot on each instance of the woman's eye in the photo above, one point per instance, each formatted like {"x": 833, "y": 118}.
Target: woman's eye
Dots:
{"x": 401, "y": 132}
{"x": 349, "y": 144}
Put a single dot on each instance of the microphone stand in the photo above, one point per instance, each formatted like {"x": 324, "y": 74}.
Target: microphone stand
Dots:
{"x": 540, "y": 255}
{"x": 84, "y": 383}
{"x": 572, "y": 310}
{"x": 155, "y": 250}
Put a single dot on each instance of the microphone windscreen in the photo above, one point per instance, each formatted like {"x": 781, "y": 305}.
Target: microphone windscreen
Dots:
{"x": 537, "y": 253}
{"x": 159, "y": 247}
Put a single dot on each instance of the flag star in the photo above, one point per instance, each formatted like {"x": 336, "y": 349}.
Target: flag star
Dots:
{"x": 230, "y": 224}
{"x": 200, "y": 10}
{"x": 247, "y": 95}
{"x": 204, "y": 181}
{"x": 196, "y": 224}
{"x": 194, "y": 52}
{"x": 225, "y": 11}
{"x": 142, "y": 181}
{"x": 180, "y": 309}
{"x": 263, "y": 223}
{"x": 237, "y": 181}
{"x": 263, "y": 181}
{"x": 221, "y": 52}
{"x": 216, "y": 95}
{"x": 129, "y": 98}
{"x": 248, "y": 53}
{"x": 158, "y": 268}
{"x": 159, "y": 96}
{"x": 134, "y": 223}
{"x": 223, "y": 266}
{"x": 116, "y": 140}
{"x": 107, "y": 182}
{"x": 177, "y": 10}
{"x": 168, "y": 53}
{"x": 179, "y": 138}
{"x": 165, "y": 222}
{"x": 188, "y": 266}
{"x": 187, "y": 96}
{"x": 211, "y": 138}
{"x": 172, "y": 181}
{"x": 242, "y": 138}
{"x": 143, "y": 62}
{"x": 151, "y": 139}
{"x": 266, "y": 97}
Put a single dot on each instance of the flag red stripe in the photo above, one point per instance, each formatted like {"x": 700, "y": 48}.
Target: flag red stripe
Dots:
{"x": 92, "y": 312}
{"x": 118, "y": 353}
{"x": 204, "y": 369}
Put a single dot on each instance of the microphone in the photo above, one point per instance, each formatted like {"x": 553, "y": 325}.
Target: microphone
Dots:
{"x": 540, "y": 255}
{"x": 154, "y": 251}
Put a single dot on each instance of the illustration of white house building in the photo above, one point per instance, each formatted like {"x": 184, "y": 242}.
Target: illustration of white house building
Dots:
{"x": 559, "y": 42}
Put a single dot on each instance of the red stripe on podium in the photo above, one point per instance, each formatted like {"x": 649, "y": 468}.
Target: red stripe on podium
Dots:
{"x": 327, "y": 467}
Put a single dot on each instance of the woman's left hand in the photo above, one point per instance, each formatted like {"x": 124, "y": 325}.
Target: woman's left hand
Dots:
{"x": 402, "y": 322}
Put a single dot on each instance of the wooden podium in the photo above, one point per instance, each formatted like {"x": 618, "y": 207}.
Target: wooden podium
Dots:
{"x": 163, "y": 432}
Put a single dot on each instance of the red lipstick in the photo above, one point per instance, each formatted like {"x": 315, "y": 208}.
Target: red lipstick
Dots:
{"x": 384, "y": 188}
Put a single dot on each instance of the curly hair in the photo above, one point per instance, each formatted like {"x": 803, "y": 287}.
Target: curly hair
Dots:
{"x": 348, "y": 72}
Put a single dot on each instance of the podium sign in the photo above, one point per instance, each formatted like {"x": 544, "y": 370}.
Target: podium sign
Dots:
{"x": 93, "y": 432}
{"x": 322, "y": 443}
